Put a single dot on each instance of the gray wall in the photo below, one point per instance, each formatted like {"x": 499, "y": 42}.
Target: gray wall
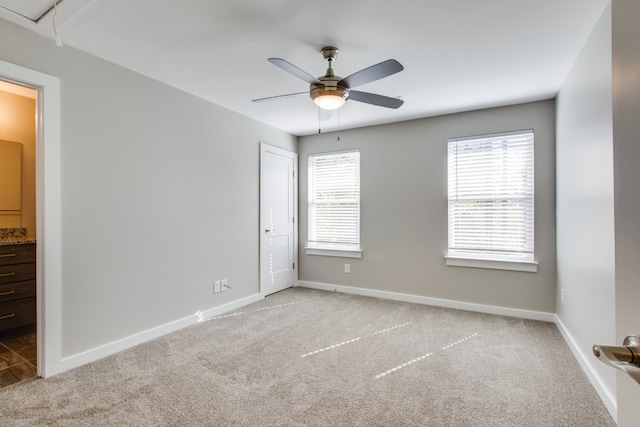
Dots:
{"x": 404, "y": 210}
{"x": 160, "y": 193}
{"x": 585, "y": 210}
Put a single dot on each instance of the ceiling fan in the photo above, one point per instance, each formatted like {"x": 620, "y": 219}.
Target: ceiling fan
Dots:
{"x": 330, "y": 92}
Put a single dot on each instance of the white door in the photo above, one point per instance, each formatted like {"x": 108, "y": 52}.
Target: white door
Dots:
{"x": 626, "y": 127}
{"x": 278, "y": 209}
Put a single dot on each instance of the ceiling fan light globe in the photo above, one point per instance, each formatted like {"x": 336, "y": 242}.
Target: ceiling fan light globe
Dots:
{"x": 329, "y": 98}
{"x": 329, "y": 102}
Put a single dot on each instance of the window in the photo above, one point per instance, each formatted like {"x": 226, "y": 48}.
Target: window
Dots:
{"x": 334, "y": 204}
{"x": 491, "y": 200}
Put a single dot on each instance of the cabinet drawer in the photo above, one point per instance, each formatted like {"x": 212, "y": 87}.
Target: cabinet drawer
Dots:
{"x": 17, "y": 290}
{"x": 17, "y": 254}
{"x": 17, "y": 272}
{"x": 17, "y": 313}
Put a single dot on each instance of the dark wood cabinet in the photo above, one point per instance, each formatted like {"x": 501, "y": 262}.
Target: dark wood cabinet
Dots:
{"x": 17, "y": 289}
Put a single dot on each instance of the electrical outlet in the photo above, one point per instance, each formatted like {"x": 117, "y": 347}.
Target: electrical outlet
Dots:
{"x": 216, "y": 286}
{"x": 347, "y": 268}
{"x": 223, "y": 285}
{"x": 562, "y": 296}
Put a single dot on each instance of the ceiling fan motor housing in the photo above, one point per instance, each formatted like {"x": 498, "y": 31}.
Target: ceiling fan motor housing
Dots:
{"x": 329, "y": 88}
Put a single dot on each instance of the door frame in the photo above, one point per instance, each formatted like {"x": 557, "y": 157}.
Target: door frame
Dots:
{"x": 264, "y": 149}
{"x": 48, "y": 213}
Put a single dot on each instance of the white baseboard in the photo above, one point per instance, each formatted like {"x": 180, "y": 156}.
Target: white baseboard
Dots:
{"x": 586, "y": 362}
{"x": 144, "y": 336}
{"x": 502, "y": 311}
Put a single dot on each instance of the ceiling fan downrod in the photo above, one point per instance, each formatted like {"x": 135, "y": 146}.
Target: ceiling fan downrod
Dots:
{"x": 330, "y": 53}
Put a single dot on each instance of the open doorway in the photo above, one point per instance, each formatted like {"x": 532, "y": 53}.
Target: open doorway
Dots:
{"x": 47, "y": 258}
{"x": 18, "y": 230}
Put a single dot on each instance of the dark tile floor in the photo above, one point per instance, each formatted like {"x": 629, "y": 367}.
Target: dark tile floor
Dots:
{"x": 18, "y": 360}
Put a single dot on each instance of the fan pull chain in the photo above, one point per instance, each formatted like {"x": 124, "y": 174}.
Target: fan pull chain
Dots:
{"x": 338, "y": 124}
{"x": 319, "y": 130}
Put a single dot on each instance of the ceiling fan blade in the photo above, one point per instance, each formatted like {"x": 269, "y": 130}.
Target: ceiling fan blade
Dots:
{"x": 372, "y": 98}
{"x": 292, "y": 69}
{"x": 371, "y": 74}
{"x": 288, "y": 95}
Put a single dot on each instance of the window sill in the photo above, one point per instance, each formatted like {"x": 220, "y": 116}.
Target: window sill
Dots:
{"x": 528, "y": 266}
{"x": 341, "y": 253}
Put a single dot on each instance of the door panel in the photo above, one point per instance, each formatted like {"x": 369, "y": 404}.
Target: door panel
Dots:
{"x": 626, "y": 128}
{"x": 278, "y": 202}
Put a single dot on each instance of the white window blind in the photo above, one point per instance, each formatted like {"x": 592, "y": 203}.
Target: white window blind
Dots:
{"x": 491, "y": 196}
{"x": 334, "y": 200}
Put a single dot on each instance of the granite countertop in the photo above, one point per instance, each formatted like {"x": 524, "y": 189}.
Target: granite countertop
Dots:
{"x": 15, "y": 236}
{"x": 25, "y": 241}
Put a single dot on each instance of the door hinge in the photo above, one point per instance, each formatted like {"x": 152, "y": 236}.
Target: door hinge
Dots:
{"x": 293, "y": 173}
{"x": 294, "y": 265}
{"x": 293, "y": 219}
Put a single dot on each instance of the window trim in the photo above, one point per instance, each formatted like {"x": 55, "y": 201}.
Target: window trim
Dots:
{"x": 492, "y": 264}
{"x": 334, "y": 252}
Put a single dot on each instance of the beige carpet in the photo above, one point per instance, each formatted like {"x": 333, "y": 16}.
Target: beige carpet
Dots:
{"x": 307, "y": 357}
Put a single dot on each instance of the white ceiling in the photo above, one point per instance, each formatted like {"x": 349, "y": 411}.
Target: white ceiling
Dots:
{"x": 458, "y": 54}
